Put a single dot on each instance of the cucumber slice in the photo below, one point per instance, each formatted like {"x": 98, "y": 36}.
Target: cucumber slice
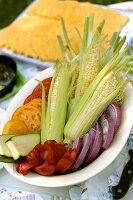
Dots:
{"x": 4, "y": 150}
{"x": 21, "y": 145}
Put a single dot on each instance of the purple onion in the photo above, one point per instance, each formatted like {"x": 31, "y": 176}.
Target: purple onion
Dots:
{"x": 108, "y": 129}
{"x": 86, "y": 145}
{"x": 96, "y": 145}
{"x": 93, "y": 134}
{"x": 78, "y": 145}
{"x": 114, "y": 110}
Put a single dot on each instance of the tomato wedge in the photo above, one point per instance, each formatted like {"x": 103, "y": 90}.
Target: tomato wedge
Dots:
{"x": 52, "y": 151}
{"x": 33, "y": 156}
{"x": 37, "y": 92}
{"x": 66, "y": 161}
{"x": 28, "y": 99}
{"x": 46, "y": 169}
{"x": 24, "y": 167}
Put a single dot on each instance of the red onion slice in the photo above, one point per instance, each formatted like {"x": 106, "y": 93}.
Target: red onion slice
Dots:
{"x": 114, "y": 110}
{"x": 78, "y": 145}
{"x": 86, "y": 145}
{"x": 96, "y": 145}
{"x": 108, "y": 129}
{"x": 93, "y": 134}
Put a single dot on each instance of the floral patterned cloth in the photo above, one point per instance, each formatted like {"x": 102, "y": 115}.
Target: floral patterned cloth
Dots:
{"x": 10, "y": 193}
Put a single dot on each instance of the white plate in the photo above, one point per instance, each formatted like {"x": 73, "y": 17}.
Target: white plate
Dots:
{"x": 97, "y": 166}
{"x": 124, "y": 5}
{"x": 2, "y": 113}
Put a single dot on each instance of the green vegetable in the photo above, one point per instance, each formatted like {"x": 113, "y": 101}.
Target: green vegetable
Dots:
{"x": 92, "y": 92}
{"x": 7, "y": 159}
{"x": 21, "y": 145}
{"x": 3, "y": 147}
{"x": 57, "y": 103}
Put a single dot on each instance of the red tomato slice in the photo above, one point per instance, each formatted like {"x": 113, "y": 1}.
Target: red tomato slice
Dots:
{"x": 24, "y": 167}
{"x": 52, "y": 151}
{"x": 33, "y": 156}
{"x": 46, "y": 169}
{"x": 66, "y": 161}
{"x": 50, "y": 142}
{"x": 28, "y": 99}
{"x": 37, "y": 92}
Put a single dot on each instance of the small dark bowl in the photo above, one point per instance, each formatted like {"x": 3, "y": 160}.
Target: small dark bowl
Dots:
{"x": 9, "y": 63}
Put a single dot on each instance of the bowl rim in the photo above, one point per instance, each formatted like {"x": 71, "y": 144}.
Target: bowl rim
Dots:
{"x": 90, "y": 170}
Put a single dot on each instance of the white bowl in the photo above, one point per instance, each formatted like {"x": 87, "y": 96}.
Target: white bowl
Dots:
{"x": 104, "y": 160}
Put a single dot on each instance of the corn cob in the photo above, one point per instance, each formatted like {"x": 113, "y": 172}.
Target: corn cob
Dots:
{"x": 105, "y": 93}
{"x": 98, "y": 79}
{"x": 74, "y": 127}
{"x": 90, "y": 56}
{"x": 57, "y": 103}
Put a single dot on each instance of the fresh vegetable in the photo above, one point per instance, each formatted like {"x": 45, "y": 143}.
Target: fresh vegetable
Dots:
{"x": 83, "y": 110}
{"x": 57, "y": 103}
{"x": 89, "y": 108}
{"x": 114, "y": 111}
{"x": 30, "y": 115}
{"x": 87, "y": 140}
{"x": 37, "y": 103}
{"x": 37, "y": 92}
{"x": 92, "y": 132}
{"x": 66, "y": 161}
{"x": 96, "y": 145}
{"x": 78, "y": 144}
{"x": 48, "y": 159}
{"x": 107, "y": 83}
{"x": 89, "y": 56}
{"x": 3, "y": 147}
{"x": 47, "y": 169}
{"x": 15, "y": 126}
{"x": 43, "y": 116}
{"x": 24, "y": 167}
{"x": 21, "y": 145}
{"x": 108, "y": 129}
{"x": 52, "y": 152}
{"x": 33, "y": 156}
{"x": 6, "y": 159}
